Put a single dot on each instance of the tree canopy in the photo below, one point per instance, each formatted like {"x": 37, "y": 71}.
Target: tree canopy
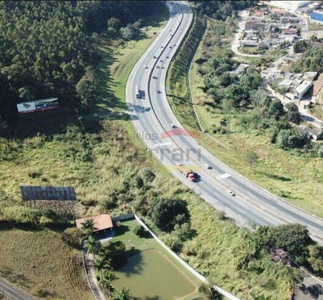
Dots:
{"x": 47, "y": 49}
{"x": 166, "y": 213}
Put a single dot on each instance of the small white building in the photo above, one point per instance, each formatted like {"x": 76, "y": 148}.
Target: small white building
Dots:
{"x": 290, "y": 5}
{"x": 286, "y": 83}
{"x": 301, "y": 90}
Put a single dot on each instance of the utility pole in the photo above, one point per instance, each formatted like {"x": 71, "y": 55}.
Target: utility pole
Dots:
{"x": 79, "y": 118}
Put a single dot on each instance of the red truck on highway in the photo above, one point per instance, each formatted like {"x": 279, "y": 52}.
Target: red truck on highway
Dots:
{"x": 187, "y": 172}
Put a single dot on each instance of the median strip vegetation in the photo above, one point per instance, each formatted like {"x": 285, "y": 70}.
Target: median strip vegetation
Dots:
{"x": 178, "y": 93}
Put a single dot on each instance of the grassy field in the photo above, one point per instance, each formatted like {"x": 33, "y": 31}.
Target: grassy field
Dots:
{"x": 41, "y": 264}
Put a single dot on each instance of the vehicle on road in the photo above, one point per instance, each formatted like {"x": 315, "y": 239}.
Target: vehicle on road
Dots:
{"x": 173, "y": 125}
{"x": 147, "y": 107}
{"x": 158, "y": 67}
{"x": 159, "y": 91}
{"x": 154, "y": 77}
{"x": 167, "y": 56}
{"x": 231, "y": 193}
{"x": 146, "y": 67}
{"x": 155, "y": 56}
{"x": 161, "y": 60}
{"x": 207, "y": 166}
{"x": 186, "y": 171}
{"x": 137, "y": 92}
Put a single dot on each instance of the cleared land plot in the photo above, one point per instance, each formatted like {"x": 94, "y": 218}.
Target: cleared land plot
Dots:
{"x": 42, "y": 264}
{"x": 151, "y": 275}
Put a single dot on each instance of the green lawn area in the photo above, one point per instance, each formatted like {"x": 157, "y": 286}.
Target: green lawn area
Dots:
{"x": 151, "y": 272}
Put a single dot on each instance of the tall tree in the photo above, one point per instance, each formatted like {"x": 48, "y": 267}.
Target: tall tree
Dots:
{"x": 92, "y": 245}
{"x": 106, "y": 278}
{"x": 101, "y": 263}
{"x": 123, "y": 294}
{"x": 88, "y": 227}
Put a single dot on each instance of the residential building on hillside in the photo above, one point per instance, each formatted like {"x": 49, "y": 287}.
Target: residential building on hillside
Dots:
{"x": 290, "y": 5}
{"x": 301, "y": 90}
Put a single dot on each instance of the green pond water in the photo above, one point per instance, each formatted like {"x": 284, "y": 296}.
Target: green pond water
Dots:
{"x": 150, "y": 275}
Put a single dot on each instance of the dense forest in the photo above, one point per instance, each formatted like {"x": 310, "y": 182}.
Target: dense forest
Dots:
{"x": 220, "y": 10}
{"x": 46, "y": 48}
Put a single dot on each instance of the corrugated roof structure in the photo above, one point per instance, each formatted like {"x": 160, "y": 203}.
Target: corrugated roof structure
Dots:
{"x": 64, "y": 193}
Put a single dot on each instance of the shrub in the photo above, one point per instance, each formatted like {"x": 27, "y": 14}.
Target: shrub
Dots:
{"x": 293, "y": 238}
{"x": 139, "y": 230}
{"x": 316, "y": 258}
{"x": 173, "y": 242}
{"x": 148, "y": 176}
{"x": 251, "y": 158}
{"x": 89, "y": 202}
{"x": 138, "y": 182}
{"x": 40, "y": 292}
{"x": 166, "y": 213}
{"x": 20, "y": 214}
{"x": 72, "y": 237}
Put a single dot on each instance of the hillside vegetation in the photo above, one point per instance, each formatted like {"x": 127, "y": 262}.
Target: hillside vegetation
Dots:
{"x": 47, "y": 49}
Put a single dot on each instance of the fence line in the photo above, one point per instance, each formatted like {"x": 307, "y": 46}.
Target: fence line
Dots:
{"x": 123, "y": 217}
{"x": 185, "y": 264}
{"x": 95, "y": 289}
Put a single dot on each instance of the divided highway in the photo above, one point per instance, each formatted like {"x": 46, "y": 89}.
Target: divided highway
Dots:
{"x": 164, "y": 136}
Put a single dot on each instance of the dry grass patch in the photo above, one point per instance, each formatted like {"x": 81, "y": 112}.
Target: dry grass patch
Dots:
{"x": 42, "y": 264}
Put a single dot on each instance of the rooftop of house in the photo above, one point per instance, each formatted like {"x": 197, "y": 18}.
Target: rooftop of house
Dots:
{"x": 303, "y": 87}
{"x": 308, "y": 130}
{"x": 286, "y": 82}
{"x": 101, "y": 222}
{"x": 280, "y": 11}
{"x": 259, "y": 13}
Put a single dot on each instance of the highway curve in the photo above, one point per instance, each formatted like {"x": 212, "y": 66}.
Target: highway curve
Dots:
{"x": 154, "y": 121}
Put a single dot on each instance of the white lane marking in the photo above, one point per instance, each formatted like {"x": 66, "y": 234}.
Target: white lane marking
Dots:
{"x": 163, "y": 144}
{"x": 225, "y": 175}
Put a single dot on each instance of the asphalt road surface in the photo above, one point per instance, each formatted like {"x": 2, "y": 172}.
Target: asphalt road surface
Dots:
{"x": 164, "y": 136}
{"x": 12, "y": 292}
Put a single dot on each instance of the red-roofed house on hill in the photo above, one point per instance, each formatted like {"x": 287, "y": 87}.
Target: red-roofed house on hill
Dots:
{"x": 280, "y": 11}
{"x": 101, "y": 222}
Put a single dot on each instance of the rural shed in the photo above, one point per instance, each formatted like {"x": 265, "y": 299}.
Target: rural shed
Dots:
{"x": 101, "y": 222}
{"x": 61, "y": 199}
